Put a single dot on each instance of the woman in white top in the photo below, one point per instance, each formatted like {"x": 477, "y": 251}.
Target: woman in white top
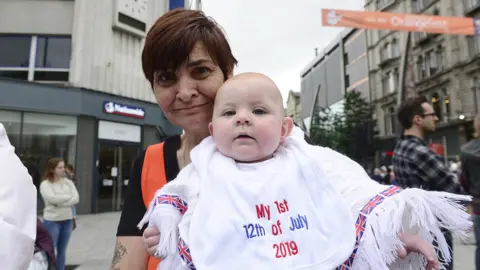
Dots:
{"x": 59, "y": 194}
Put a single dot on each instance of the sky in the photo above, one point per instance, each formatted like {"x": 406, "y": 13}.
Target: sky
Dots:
{"x": 276, "y": 37}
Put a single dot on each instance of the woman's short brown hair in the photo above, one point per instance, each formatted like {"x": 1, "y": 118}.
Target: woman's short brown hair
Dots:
{"x": 173, "y": 36}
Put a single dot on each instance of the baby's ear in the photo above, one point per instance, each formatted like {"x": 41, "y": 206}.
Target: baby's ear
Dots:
{"x": 287, "y": 127}
{"x": 210, "y": 128}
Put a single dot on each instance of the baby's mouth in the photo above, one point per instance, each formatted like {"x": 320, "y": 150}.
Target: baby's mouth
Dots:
{"x": 244, "y": 136}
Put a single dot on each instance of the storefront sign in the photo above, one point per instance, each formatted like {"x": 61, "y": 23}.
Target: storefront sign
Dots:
{"x": 174, "y": 4}
{"x": 399, "y": 22}
{"x": 124, "y": 110}
{"x": 119, "y": 132}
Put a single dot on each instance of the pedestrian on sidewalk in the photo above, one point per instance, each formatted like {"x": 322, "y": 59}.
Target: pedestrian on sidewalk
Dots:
{"x": 470, "y": 180}
{"x": 414, "y": 164}
{"x": 59, "y": 194}
{"x": 18, "y": 209}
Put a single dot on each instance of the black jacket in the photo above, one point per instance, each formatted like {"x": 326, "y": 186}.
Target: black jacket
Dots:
{"x": 470, "y": 178}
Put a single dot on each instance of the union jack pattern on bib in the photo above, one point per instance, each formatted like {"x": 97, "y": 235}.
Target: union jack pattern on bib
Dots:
{"x": 184, "y": 253}
{"x": 362, "y": 221}
{"x": 174, "y": 201}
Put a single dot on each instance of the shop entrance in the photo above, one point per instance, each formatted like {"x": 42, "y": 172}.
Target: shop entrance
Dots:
{"x": 114, "y": 166}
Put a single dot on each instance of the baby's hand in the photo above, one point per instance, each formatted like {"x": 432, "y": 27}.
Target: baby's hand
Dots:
{"x": 415, "y": 243}
{"x": 151, "y": 238}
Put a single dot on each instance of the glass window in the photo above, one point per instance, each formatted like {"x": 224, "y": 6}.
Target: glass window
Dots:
{"x": 57, "y": 76}
{"x": 45, "y": 136}
{"x": 437, "y": 105}
{"x": 393, "y": 119}
{"x": 14, "y": 51}
{"x": 439, "y": 53}
{"x": 12, "y": 123}
{"x": 391, "y": 82}
{"x": 14, "y": 74}
{"x": 385, "y": 84}
{"x": 53, "y": 52}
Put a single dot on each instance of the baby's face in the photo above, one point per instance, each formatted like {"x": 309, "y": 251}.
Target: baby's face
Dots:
{"x": 248, "y": 119}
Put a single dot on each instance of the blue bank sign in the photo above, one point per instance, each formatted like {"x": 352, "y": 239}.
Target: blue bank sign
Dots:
{"x": 111, "y": 107}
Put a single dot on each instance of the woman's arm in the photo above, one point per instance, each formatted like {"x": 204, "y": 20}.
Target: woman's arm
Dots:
{"x": 130, "y": 252}
{"x": 75, "y": 197}
{"x": 49, "y": 196}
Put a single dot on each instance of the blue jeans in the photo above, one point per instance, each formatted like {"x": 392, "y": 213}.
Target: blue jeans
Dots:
{"x": 60, "y": 232}
{"x": 476, "y": 221}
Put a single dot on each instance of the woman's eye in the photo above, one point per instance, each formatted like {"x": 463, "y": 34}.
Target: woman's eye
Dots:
{"x": 166, "y": 77}
{"x": 259, "y": 111}
{"x": 228, "y": 113}
{"x": 201, "y": 72}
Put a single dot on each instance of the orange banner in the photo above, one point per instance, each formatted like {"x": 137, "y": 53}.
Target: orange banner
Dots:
{"x": 398, "y": 21}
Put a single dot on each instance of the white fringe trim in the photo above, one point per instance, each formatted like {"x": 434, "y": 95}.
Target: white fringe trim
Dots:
{"x": 166, "y": 218}
{"x": 414, "y": 211}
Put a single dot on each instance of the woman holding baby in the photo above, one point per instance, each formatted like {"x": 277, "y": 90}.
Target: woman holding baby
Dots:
{"x": 186, "y": 59}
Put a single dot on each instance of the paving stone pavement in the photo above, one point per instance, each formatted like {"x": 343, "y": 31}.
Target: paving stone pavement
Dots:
{"x": 92, "y": 244}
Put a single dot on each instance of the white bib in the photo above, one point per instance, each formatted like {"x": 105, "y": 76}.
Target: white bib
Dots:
{"x": 278, "y": 214}
{"x": 268, "y": 215}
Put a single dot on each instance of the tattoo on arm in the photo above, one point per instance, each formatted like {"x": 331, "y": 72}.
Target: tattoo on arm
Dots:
{"x": 120, "y": 250}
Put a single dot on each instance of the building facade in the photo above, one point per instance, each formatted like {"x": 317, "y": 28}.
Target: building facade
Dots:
{"x": 72, "y": 86}
{"x": 341, "y": 67}
{"x": 444, "y": 69}
{"x": 294, "y": 109}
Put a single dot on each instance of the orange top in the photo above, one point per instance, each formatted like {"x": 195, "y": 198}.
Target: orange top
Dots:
{"x": 153, "y": 179}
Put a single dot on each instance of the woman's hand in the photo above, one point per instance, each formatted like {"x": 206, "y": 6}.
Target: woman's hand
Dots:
{"x": 415, "y": 243}
{"x": 151, "y": 238}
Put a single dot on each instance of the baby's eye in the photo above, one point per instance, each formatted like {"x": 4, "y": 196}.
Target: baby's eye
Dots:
{"x": 228, "y": 113}
{"x": 259, "y": 111}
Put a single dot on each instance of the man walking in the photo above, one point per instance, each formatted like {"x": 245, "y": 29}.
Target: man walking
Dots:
{"x": 414, "y": 164}
{"x": 470, "y": 158}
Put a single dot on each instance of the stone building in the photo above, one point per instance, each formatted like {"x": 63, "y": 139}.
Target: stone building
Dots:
{"x": 445, "y": 69}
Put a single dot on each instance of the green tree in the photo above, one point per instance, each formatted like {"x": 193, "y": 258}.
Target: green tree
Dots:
{"x": 327, "y": 129}
{"x": 359, "y": 127}
{"x": 349, "y": 132}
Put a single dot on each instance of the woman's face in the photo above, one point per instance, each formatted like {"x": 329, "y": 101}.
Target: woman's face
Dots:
{"x": 186, "y": 96}
{"x": 60, "y": 169}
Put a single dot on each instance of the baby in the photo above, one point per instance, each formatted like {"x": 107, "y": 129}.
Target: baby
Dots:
{"x": 257, "y": 196}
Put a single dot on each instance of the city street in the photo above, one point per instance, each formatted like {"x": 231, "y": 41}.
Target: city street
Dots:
{"x": 92, "y": 243}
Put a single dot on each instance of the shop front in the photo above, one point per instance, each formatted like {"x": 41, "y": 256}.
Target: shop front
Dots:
{"x": 99, "y": 134}
{"x": 118, "y": 145}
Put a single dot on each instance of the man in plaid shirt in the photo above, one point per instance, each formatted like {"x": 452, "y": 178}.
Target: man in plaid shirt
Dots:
{"x": 414, "y": 164}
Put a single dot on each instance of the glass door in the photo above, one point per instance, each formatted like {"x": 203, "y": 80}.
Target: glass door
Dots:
{"x": 114, "y": 169}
